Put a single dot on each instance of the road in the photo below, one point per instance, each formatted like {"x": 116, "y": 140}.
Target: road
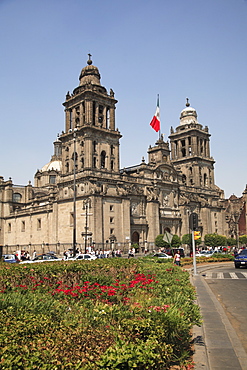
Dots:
{"x": 229, "y": 285}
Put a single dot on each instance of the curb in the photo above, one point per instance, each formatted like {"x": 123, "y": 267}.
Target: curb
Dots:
{"x": 201, "y": 352}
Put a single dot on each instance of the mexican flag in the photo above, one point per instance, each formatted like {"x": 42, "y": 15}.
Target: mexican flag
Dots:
{"x": 155, "y": 123}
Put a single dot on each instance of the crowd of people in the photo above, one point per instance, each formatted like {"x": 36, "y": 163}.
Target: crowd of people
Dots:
{"x": 99, "y": 253}
{"x": 23, "y": 255}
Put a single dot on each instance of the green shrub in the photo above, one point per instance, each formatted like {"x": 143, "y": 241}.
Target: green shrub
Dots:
{"x": 103, "y": 314}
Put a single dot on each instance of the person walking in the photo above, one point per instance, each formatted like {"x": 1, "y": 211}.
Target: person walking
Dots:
{"x": 176, "y": 258}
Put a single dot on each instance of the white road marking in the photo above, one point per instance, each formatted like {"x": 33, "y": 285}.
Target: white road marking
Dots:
{"x": 222, "y": 275}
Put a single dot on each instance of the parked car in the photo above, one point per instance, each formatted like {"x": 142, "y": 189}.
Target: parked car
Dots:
{"x": 200, "y": 254}
{"x": 161, "y": 255}
{"x": 86, "y": 256}
{"x": 173, "y": 251}
{"x": 43, "y": 258}
{"x": 10, "y": 258}
{"x": 241, "y": 259}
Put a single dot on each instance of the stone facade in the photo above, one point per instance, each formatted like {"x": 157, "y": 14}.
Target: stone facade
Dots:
{"x": 190, "y": 155}
{"x": 83, "y": 195}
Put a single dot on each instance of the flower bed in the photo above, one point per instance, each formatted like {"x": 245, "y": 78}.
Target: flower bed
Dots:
{"x": 103, "y": 314}
{"x": 216, "y": 258}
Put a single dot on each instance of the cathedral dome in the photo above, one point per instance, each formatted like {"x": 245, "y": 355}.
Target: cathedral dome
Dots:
{"x": 52, "y": 166}
{"x": 188, "y": 114}
{"x": 89, "y": 74}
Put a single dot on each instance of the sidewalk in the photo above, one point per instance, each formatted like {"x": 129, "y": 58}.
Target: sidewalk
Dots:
{"x": 217, "y": 346}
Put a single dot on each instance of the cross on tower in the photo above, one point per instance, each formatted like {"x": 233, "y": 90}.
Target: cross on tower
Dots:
{"x": 89, "y": 60}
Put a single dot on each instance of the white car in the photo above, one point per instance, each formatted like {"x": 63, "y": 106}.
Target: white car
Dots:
{"x": 161, "y": 255}
{"x": 88, "y": 257}
{"x": 43, "y": 258}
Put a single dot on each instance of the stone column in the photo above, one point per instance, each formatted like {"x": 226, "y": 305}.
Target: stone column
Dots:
{"x": 67, "y": 120}
{"x": 88, "y": 157}
{"x": 82, "y": 113}
{"x": 88, "y": 112}
{"x": 173, "y": 150}
{"x": 153, "y": 220}
{"x": 112, "y": 119}
{"x": 194, "y": 145}
{"x": 104, "y": 118}
{"x": 96, "y": 114}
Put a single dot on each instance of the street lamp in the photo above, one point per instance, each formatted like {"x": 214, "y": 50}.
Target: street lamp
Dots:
{"x": 74, "y": 189}
{"x": 236, "y": 222}
{"x": 86, "y": 233}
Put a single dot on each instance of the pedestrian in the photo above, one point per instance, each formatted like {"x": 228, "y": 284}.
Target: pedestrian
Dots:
{"x": 176, "y": 258}
{"x": 34, "y": 254}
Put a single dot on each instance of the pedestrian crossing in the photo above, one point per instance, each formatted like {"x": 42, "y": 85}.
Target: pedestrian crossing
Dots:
{"x": 225, "y": 275}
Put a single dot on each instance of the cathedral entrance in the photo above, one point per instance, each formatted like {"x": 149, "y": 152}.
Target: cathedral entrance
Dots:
{"x": 135, "y": 237}
{"x": 167, "y": 229}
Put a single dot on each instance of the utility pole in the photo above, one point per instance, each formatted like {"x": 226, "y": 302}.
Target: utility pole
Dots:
{"x": 193, "y": 226}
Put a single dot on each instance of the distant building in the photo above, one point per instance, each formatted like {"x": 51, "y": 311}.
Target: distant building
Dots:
{"x": 113, "y": 207}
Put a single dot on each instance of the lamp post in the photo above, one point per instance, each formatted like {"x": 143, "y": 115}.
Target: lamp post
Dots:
{"x": 86, "y": 227}
{"x": 86, "y": 205}
{"x": 236, "y": 222}
{"x": 74, "y": 189}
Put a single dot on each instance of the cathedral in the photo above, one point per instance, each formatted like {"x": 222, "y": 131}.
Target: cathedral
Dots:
{"x": 82, "y": 197}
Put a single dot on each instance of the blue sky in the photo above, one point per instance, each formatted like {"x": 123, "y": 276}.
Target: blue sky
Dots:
{"x": 174, "y": 48}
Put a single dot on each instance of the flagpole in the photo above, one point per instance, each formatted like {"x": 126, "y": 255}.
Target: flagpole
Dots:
{"x": 158, "y": 105}
{"x": 155, "y": 122}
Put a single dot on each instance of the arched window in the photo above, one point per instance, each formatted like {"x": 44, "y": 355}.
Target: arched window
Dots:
{"x": 102, "y": 159}
{"x": 52, "y": 179}
{"x": 183, "y": 179}
{"x": 94, "y": 162}
{"x": 75, "y": 159}
{"x": 83, "y": 112}
{"x": 17, "y": 197}
{"x": 107, "y": 117}
{"x": 94, "y": 112}
{"x": 70, "y": 119}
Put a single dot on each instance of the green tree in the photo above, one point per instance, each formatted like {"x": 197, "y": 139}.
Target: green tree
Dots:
{"x": 231, "y": 242}
{"x": 176, "y": 241}
{"x": 187, "y": 239}
{"x": 160, "y": 243}
{"x": 215, "y": 240}
{"x": 243, "y": 239}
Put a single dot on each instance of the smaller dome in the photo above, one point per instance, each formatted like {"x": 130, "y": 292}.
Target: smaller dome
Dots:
{"x": 52, "y": 165}
{"x": 89, "y": 74}
{"x": 188, "y": 114}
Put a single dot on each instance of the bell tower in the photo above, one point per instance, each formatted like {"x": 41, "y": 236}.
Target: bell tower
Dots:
{"x": 190, "y": 150}
{"x": 90, "y": 120}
